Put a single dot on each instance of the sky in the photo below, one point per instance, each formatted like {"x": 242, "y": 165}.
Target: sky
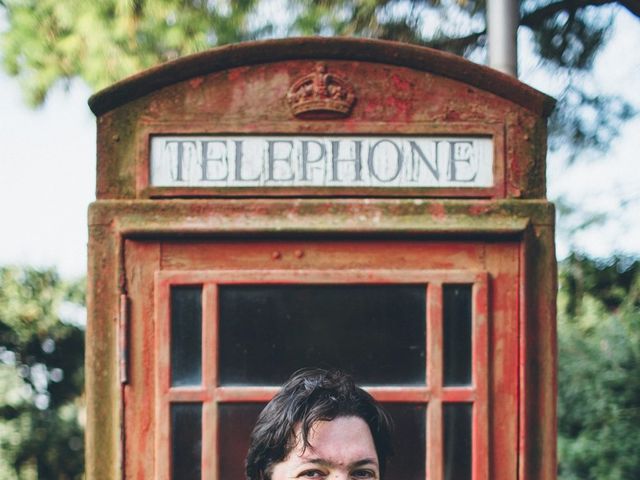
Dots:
{"x": 47, "y": 167}
{"x": 602, "y": 183}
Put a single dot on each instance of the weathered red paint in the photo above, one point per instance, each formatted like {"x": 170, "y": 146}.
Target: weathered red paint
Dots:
{"x": 438, "y": 211}
{"x": 446, "y": 95}
{"x": 143, "y": 239}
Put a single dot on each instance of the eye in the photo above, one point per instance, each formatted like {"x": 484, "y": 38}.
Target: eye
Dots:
{"x": 314, "y": 474}
{"x": 363, "y": 474}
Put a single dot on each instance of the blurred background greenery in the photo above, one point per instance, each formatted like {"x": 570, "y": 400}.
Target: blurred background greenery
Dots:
{"x": 41, "y": 375}
{"x": 48, "y": 43}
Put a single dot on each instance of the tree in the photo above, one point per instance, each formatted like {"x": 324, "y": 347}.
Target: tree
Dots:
{"x": 41, "y": 373}
{"x": 49, "y": 41}
{"x": 599, "y": 369}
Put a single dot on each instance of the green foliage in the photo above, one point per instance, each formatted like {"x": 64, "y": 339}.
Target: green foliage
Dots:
{"x": 41, "y": 374}
{"x": 104, "y": 41}
{"x": 599, "y": 369}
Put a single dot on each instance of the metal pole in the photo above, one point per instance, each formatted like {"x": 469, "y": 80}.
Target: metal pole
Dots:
{"x": 502, "y": 25}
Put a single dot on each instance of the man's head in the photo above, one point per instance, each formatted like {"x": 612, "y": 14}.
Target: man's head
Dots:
{"x": 320, "y": 419}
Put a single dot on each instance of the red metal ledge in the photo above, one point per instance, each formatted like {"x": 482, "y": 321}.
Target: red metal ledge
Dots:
{"x": 336, "y": 48}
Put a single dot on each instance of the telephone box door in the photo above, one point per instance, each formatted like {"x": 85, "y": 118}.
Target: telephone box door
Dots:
{"x": 428, "y": 327}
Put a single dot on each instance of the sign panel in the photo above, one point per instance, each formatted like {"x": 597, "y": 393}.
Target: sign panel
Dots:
{"x": 328, "y": 161}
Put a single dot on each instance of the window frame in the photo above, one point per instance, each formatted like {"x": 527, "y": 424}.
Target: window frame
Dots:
{"x": 433, "y": 394}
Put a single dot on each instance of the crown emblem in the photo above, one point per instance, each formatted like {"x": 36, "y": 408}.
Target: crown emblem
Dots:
{"x": 321, "y": 95}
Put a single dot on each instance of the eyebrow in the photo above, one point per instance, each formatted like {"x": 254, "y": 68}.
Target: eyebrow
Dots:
{"x": 358, "y": 463}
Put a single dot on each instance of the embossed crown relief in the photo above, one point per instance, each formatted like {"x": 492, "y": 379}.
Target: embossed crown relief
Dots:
{"x": 321, "y": 95}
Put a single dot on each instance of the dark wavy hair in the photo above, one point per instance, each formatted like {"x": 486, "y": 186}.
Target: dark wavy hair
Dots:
{"x": 310, "y": 396}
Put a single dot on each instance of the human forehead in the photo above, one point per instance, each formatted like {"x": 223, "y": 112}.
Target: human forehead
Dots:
{"x": 341, "y": 441}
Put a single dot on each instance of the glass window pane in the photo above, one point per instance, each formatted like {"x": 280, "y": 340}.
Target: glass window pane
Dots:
{"x": 186, "y": 335}
{"x": 375, "y": 332}
{"x": 456, "y": 314}
{"x": 237, "y": 421}
{"x": 408, "y": 461}
{"x": 457, "y": 441}
{"x": 186, "y": 441}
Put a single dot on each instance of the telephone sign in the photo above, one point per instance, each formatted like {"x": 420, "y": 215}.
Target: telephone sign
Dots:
{"x": 321, "y": 161}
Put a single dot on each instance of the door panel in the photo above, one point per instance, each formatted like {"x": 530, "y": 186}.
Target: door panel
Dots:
{"x": 336, "y": 254}
{"x": 442, "y": 363}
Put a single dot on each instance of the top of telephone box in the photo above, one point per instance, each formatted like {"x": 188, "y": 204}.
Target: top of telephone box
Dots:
{"x": 321, "y": 116}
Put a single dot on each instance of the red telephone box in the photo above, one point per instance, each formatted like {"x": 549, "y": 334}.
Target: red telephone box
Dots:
{"x": 365, "y": 205}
